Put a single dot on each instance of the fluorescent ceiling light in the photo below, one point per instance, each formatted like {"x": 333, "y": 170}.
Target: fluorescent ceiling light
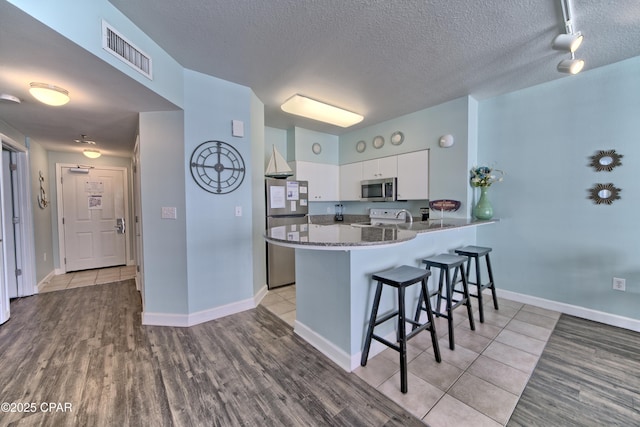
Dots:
{"x": 92, "y": 154}
{"x": 567, "y": 42}
{"x": 49, "y": 94}
{"x": 316, "y": 110}
{"x": 571, "y": 66}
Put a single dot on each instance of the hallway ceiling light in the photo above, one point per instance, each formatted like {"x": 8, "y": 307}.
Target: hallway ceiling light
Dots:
{"x": 91, "y": 153}
{"x": 49, "y": 94}
{"x": 316, "y": 110}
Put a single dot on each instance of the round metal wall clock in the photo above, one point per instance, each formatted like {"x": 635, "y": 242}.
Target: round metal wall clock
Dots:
{"x": 217, "y": 167}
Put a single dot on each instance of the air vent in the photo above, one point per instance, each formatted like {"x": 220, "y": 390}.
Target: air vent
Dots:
{"x": 114, "y": 43}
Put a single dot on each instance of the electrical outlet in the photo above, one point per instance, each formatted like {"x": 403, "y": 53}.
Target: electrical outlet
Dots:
{"x": 619, "y": 284}
{"x": 238, "y": 210}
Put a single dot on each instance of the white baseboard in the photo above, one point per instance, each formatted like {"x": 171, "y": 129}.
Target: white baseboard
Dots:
{"x": 337, "y": 355}
{"x": 257, "y": 298}
{"x": 186, "y": 320}
{"x": 574, "y": 310}
{"x": 44, "y": 281}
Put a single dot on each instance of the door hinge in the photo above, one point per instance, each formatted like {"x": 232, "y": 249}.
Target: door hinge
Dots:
{"x": 63, "y": 221}
{"x": 13, "y": 166}
{"x": 65, "y": 260}
{"x": 18, "y": 272}
{"x": 16, "y": 220}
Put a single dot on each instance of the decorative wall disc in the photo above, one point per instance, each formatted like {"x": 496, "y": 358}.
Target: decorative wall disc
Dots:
{"x": 378, "y": 141}
{"x": 361, "y": 146}
{"x": 217, "y": 167}
{"x": 604, "y": 193}
{"x": 606, "y": 160}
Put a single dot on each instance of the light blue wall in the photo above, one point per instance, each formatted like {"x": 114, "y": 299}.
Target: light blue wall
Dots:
{"x": 219, "y": 244}
{"x": 42, "y": 225}
{"x": 300, "y": 141}
{"x": 162, "y": 174}
{"x": 274, "y": 137}
{"x": 448, "y": 176}
{"x": 552, "y": 242}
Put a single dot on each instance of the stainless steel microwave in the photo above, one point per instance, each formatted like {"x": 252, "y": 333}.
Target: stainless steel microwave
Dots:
{"x": 378, "y": 190}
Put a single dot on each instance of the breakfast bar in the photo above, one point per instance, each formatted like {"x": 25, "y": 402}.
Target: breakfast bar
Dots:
{"x": 334, "y": 264}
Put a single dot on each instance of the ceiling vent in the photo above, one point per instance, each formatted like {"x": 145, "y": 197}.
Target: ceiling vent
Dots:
{"x": 114, "y": 43}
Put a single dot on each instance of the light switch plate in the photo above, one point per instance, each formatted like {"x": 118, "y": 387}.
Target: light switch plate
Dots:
{"x": 237, "y": 128}
{"x": 169, "y": 213}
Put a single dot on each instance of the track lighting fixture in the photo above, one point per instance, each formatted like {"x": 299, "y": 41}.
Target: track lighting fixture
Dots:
{"x": 568, "y": 42}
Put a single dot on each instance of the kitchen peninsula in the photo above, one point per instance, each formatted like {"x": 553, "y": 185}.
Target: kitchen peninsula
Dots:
{"x": 334, "y": 264}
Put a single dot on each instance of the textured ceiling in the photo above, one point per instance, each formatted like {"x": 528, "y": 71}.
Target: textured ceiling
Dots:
{"x": 379, "y": 58}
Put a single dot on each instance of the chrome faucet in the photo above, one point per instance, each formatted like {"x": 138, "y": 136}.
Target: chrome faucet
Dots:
{"x": 408, "y": 214}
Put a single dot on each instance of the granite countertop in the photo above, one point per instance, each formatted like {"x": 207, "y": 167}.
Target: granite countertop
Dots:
{"x": 355, "y": 236}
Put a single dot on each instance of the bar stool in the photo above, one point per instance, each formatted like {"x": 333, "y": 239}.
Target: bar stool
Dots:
{"x": 476, "y": 252}
{"x": 447, "y": 262}
{"x": 400, "y": 278}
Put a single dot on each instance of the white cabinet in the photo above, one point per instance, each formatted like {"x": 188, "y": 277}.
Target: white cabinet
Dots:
{"x": 413, "y": 175}
{"x": 323, "y": 179}
{"x": 350, "y": 178}
{"x": 384, "y": 167}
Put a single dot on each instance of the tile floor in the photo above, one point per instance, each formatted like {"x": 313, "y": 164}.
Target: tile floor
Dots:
{"x": 80, "y": 279}
{"x": 477, "y": 384}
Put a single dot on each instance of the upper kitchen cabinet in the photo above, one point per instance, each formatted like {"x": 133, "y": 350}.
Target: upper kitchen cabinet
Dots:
{"x": 350, "y": 178}
{"x": 384, "y": 167}
{"x": 413, "y": 175}
{"x": 322, "y": 177}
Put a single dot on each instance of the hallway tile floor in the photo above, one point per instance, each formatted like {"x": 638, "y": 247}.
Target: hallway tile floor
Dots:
{"x": 83, "y": 278}
{"x": 477, "y": 384}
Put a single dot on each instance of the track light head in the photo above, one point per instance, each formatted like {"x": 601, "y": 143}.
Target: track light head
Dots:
{"x": 567, "y": 42}
{"x": 571, "y": 66}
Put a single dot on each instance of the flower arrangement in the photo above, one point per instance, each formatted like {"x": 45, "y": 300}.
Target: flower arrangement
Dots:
{"x": 484, "y": 176}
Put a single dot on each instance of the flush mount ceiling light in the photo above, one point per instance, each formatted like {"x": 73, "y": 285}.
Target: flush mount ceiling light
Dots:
{"x": 49, "y": 94}
{"x": 569, "y": 42}
{"x": 91, "y": 153}
{"x": 316, "y": 110}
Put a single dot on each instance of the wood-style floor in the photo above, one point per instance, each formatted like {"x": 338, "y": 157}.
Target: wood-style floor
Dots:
{"x": 588, "y": 375}
{"x": 86, "y": 348}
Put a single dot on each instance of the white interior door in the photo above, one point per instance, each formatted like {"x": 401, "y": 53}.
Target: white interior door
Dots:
{"x": 93, "y": 209}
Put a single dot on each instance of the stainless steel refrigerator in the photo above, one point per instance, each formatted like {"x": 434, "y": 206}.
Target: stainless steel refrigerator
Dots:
{"x": 287, "y": 204}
